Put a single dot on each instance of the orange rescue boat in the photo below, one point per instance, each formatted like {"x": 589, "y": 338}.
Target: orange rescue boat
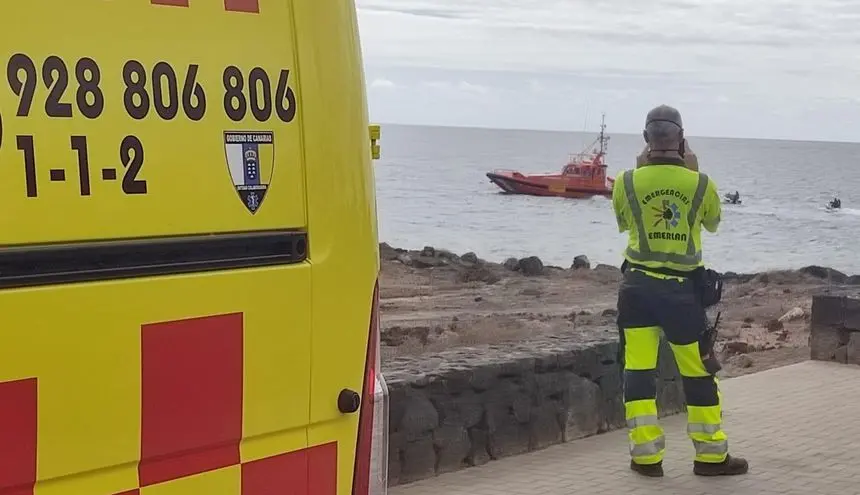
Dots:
{"x": 583, "y": 176}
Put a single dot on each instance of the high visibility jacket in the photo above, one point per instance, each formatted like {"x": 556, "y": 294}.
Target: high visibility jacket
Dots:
{"x": 664, "y": 208}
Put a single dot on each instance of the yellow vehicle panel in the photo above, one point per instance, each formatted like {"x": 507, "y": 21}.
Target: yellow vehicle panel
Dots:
{"x": 140, "y": 383}
{"x": 136, "y": 118}
{"x": 188, "y": 271}
{"x": 344, "y": 253}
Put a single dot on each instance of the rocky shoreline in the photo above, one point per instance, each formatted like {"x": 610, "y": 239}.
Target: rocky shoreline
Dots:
{"x": 431, "y": 257}
{"x": 485, "y": 360}
{"x": 434, "y": 300}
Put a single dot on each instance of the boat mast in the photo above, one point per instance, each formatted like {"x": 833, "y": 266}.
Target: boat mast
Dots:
{"x": 604, "y": 139}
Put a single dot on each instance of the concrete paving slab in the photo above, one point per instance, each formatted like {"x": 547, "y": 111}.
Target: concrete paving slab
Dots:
{"x": 797, "y": 425}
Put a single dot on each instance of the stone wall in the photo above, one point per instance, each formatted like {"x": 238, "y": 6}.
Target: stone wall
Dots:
{"x": 468, "y": 406}
{"x": 835, "y": 329}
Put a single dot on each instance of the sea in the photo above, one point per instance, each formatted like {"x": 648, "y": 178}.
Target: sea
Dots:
{"x": 432, "y": 191}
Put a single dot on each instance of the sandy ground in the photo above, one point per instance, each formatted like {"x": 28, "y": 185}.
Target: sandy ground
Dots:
{"x": 433, "y": 300}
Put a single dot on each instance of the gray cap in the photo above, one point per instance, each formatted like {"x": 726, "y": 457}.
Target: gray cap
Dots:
{"x": 664, "y": 113}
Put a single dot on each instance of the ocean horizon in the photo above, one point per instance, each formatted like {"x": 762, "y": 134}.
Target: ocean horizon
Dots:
{"x": 594, "y": 127}
{"x": 432, "y": 190}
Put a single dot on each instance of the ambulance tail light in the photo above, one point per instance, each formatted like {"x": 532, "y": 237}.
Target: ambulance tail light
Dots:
{"x": 371, "y": 454}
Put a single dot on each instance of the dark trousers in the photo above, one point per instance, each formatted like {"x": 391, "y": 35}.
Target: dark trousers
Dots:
{"x": 649, "y": 305}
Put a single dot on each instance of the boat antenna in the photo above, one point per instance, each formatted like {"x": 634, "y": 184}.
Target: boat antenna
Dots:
{"x": 604, "y": 139}
{"x": 585, "y": 122}
{"x": 584, "y": 125}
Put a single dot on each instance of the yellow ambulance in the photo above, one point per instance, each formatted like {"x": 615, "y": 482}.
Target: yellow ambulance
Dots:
{"x": 188, "y": 250}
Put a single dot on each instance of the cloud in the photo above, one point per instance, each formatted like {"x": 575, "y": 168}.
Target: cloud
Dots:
{"x": 456, "y": 87}
{"x": 382, "y": 83}
{"x": 570, "y": 34}
{"x": 437, "y": 85}
{"x": 471, "y": 88}
{"x": 414, "y": 11}
{"x": 754, "y": 55}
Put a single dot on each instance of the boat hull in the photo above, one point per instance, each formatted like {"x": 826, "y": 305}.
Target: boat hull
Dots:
{"x": 546, "y": 185}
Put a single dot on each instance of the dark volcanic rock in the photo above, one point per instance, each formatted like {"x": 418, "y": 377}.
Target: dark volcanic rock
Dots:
{"x": 740, "y": 278}
{"x": 478, "y": 273}
{"x": 531, "y": 266}
{"x": 470, "y": 257}
{"x": 834, "y": 324}
{"x": 466, "y": 406}
{"x": 581, "y": 261}
{"x": 737, "y": 347}
{"x": 428, "y": 261}
{"x": 824, "y": 273}
{"x": 386, "y": 252}
{"x": 774, "y": 326}
{"x": 405, "y": 259}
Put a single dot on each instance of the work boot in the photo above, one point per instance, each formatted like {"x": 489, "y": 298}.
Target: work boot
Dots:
{"x": 649, "y": 470}
{"x": 730, "y": 467}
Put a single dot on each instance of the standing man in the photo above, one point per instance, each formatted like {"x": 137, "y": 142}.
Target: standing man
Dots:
{"x": 664, "y": 204}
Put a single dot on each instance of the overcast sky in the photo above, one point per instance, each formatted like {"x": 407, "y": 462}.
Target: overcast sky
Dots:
{"x": 740, "y": 68}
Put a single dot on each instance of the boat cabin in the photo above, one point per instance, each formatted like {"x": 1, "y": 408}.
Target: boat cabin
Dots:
{"x": 577, "y": 167}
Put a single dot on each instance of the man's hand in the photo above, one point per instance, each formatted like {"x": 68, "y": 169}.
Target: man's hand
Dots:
{"x": 690, "y": 158}
{"x": 643, "y": 157}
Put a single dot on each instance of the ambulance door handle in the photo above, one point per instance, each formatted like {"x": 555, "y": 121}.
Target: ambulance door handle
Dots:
{"x": 348, "y": 401}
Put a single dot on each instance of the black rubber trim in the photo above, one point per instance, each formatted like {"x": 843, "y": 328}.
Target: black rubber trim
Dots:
{"x": 700, "y": 391}
{"x": 94, "y": 261}
{"x": 640, "y": 385}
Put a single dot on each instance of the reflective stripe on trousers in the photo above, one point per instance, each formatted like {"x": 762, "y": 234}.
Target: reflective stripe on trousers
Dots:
{"x": 693, "y": 256}
{"x": 704, "y": 409}
{"x": 704, "y": 414}
{"x": 651, "y": 448}
{"x": 648, "y": 449}
{"x": 710, "y": 450}
{"x": 701, "y": 428}
{"x": 720, "y": 448}
{"x": 649, "y": 420}
{"x": 647, "y": 442}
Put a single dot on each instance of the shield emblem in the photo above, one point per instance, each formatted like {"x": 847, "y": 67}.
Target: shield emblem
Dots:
{"x": 250, "y": 161}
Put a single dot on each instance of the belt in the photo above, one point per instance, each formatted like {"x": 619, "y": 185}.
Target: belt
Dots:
{"x": 661, "y": 270}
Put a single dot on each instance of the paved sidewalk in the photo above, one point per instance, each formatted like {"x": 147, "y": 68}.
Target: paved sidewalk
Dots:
{"x": 799, "y": 426}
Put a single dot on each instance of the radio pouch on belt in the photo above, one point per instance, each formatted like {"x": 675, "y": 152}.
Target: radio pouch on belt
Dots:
{"x": 709, "y": 286}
